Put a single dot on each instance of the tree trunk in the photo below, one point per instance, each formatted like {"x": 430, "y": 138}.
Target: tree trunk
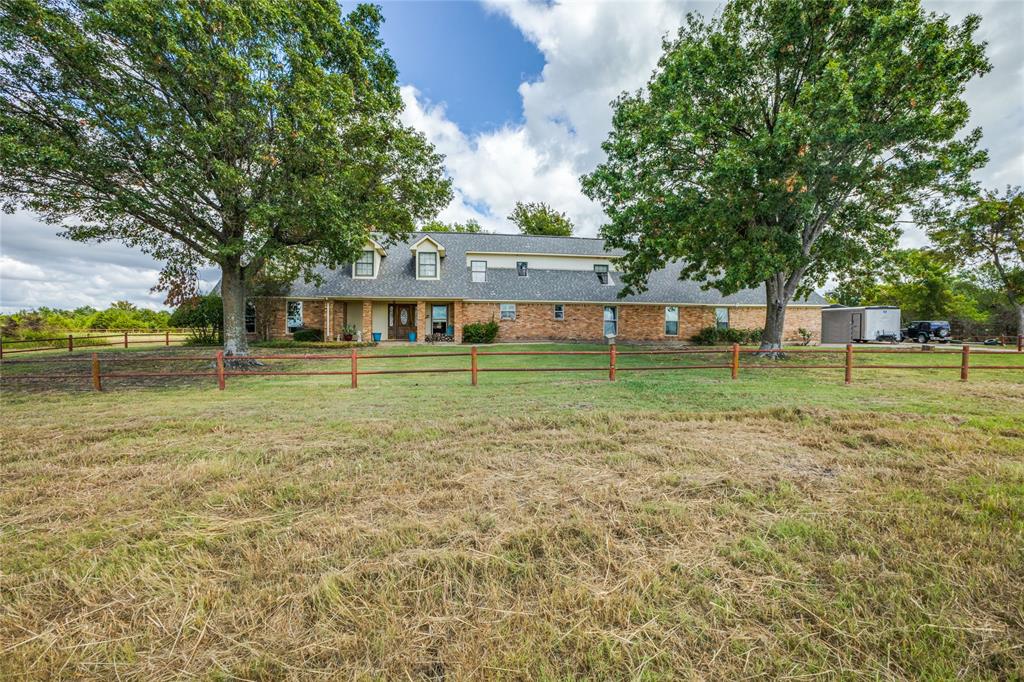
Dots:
{"x": 232, "y": 292}
{"x": 778, "y": 294}
{"x": 1020, "y": 319}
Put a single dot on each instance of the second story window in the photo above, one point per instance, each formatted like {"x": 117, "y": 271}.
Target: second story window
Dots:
{"x": 427, "y": 265}
{"x": 521, "y": 268}
{"x": 602, "y": 273}
{"x": 364, "y": 264}
{"x": 478, "y": 270}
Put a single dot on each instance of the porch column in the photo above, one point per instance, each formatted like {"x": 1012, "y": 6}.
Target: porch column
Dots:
{"x": 367, "y": 320}
{"x": 325, "y": 323}
{"x": 457, "y": 321}
{"x": 421, "y": 320}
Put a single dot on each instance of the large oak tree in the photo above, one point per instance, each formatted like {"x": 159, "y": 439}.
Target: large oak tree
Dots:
{"x": 259, "y": 135}
{"x": 780, "y": 141}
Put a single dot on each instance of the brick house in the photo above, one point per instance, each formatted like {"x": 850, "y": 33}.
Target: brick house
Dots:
{"x": 537, "y": 288}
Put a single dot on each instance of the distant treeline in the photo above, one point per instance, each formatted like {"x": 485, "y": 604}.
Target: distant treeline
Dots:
{"x": 44, "y": 322}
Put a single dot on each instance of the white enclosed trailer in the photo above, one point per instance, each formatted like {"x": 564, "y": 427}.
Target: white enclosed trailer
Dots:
{"x": 857, "y": 325}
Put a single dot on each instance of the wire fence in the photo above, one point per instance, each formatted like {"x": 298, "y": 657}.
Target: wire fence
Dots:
{"x": 475, "y": 362}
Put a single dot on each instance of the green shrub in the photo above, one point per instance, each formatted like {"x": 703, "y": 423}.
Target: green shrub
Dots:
{"x": 307, "y": 334}
{"x": 204, "y": 317}
{"x": 480, "y": 332}
{"x": 713, "y": 336}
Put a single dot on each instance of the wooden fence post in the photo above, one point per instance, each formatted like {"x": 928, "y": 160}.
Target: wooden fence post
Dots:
{"x": 472, "y": 365}
{"x": 220, "y": 370}
{"x": 71, "y": 342}
{"x": 167, "y": 338}
{"x": 611, "y": 362}
{"x": 126, "y": 339}
{"x": 735, "y": 360}
{"x": 355, "y": 369}
{"x": 849, "y": 363}
{"x": 965, "y": 362}
{"x": 97, "y": 385}
{"x": 1020, "y": 343}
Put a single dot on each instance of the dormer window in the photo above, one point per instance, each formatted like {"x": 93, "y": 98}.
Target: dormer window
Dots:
{"x": 364, "y": 264}
{"x": 602, "y": 274}
{"x": 426, "y": 265}
{"x": 478, "y": 270}
{"x": 521, "y": 268}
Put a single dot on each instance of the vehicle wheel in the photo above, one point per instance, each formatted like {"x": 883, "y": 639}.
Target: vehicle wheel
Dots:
{"x": 921, "y": 338}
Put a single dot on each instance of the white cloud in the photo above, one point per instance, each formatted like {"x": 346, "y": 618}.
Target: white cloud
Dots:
{"x": 594, "y": 51}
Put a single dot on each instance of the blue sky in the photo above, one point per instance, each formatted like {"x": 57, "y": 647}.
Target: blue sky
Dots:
{"x": 465, "y": 55}
{"x": 516, "y": 96}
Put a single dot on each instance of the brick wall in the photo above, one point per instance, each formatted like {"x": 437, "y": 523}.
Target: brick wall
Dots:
{"x": 585, "y": 322}
{"x": 535, "y": 321}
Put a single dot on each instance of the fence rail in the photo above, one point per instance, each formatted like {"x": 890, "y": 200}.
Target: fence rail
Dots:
{"x": 221, "y": 368}
{"x": 88, "y": 340}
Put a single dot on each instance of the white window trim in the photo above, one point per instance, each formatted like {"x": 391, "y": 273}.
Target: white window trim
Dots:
{"x": 373, "y": 265}
{"x": 554, "y": 311}
{"x": 728, "y": 321}
{"x": 437, "y": 264}
{"x": 604, "y": 322}
{"x": 501, "y": 312}
{"x": 484, "y": 271}
{"x": 526, "y": 268}
{"x": 665, "y": 326}
{"x": 302, "y": 318}
{"x": 608, "y": 272}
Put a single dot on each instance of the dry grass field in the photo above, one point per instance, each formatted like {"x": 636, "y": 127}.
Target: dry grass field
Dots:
{"x": 672, "y": 525}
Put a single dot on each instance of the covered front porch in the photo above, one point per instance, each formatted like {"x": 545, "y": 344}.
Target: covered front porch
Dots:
{"x": 399, "y": 320}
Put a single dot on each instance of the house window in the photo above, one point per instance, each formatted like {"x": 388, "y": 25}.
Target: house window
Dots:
{"x": 611, "y": 321}
{"x": 294, "y": 316}
{"x": 508, "y": 311}
{"x": 602, "y": 273}
{"x": 722, "y": 318}
{"x": 478, "y": 268}
{"x": 427, "y": 265}
{"x": 521, "y": 268}
{"x": 250, "y": 318}
{"x": 559, "y": 311}
{"x": 364, "y": 264}
{"x": 671, "y": 320}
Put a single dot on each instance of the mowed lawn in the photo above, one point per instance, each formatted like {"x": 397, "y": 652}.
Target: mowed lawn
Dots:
{"x": 669, "y": 525}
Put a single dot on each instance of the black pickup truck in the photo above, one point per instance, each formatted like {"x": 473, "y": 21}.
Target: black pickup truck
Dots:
{"x": 924, "y": 331}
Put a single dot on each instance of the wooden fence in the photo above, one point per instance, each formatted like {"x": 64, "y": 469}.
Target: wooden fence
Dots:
{"x": 93, "y": 339}
{"x": 221, "y": 370}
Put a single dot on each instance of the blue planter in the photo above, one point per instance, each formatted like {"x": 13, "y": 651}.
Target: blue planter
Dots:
{"x": 412, "y": 337}
{"x": 376, "y": 337}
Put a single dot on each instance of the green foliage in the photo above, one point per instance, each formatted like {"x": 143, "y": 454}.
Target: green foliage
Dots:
{"x": 48, "y": 322}
{"x": 987, "y": 235}
{"x": 307, "y": 334}
{"x": 541, "y": 220}
{"x": 480, "y": 332}
{"x": 779, "y": 142}
{"x": 204, "y": 318}
{"x": 262, "y": 135}
{"x": 713, "y": 336}
{"x": 470, "y": 227}
{"x": 922, "y": 282}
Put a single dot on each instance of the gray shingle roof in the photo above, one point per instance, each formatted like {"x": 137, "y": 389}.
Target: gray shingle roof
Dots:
{"x": 397, "y": 276}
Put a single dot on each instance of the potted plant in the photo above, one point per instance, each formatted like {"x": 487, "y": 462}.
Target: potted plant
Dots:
{"x": 348, "y": 332}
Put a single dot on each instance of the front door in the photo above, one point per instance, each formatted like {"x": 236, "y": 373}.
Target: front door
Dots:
{"x": 401, "y": 320}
